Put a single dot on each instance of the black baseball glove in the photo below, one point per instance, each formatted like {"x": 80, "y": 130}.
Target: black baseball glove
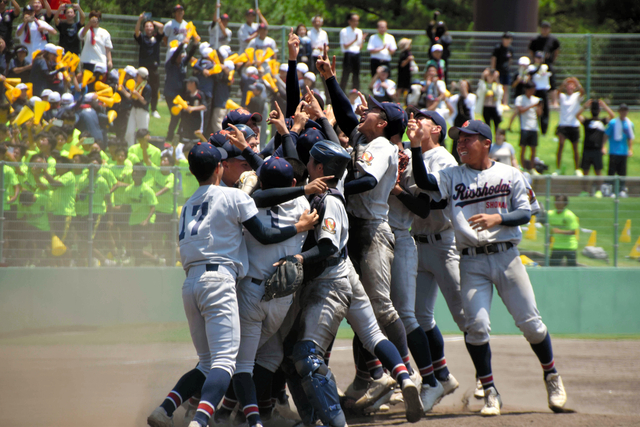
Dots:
{"x": 285, "y": 280}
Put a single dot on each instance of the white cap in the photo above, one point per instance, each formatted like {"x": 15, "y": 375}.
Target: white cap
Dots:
{"x": 46, "y": 92}
{"x": 66, "y": 99}
{"x": 436, "y": 48}
{"x": 524, "y": 61}
{"x": 302, "y": 67}
{"x": 54, "y": 97}
{"x": 203, "y": 47}
{"x": 532, "y": 68}
{"x": 143, "y": 72}
{"x": 230, "y": 65}
{"x": 90, "y": 96}
{"x": 51, "y": 48}
{"x": 114, "y": 73}
{"x": 22, "y": 86}
{"x": 100, "y": 68}
{"x": 252, "y": 70}
{"x": 205, "y": 52}
{"x": 33, "y": 99}
{"x": 224, "y": 52}
{"x": 131, "y": 70}
{"x": 284, "y": 67}
{"x": 310, "y": 76}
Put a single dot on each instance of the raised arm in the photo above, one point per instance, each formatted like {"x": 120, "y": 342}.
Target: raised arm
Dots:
{"x": 293, "y": 86}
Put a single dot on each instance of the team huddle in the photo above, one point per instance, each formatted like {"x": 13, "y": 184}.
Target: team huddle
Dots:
{"x": 377, "y": 228}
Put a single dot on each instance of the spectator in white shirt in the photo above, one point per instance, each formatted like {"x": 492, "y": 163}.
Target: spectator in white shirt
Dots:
{"x": 381, "y": 46}
{"x": 529, "y": 107}
{"x": 249, "y": 30}
{"x": 33, "y": 31}
{"x": 224, "y": 33}
{"x": 383, "y": 89}
{"x": 263, "y": 41}
{"x": 318, "y": 38}
{"x": 97, "y": 43}
{"x": 541, "y": 75}
{"x": 571, "y": 93}
{"x": 351, "y": 40}
{"x": 501, "y": 151}
{"x": 175, "y": 29}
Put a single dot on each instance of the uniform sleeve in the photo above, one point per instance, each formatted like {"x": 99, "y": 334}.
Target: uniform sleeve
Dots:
{"x": 444, "y": 178}
{"x": 520, "y": 195}
{"x": 375, "y": 161}
{"x": 519, "y": 101}
{"x": 245, "y": 206}
{"x": 330, "y": 226}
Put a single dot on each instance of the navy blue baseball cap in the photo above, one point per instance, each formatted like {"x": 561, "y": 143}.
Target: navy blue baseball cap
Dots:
{"x": 472, "y": 127}
{"x": 435, "y": 117}
{"x": 219, "y": 139}
{"x": 276, "y": 172}
{"x": 307, "y": 139}
{"x": 396, "y": 117}
{"x": 240, "y": 116}
{"x": 204, "y": 158}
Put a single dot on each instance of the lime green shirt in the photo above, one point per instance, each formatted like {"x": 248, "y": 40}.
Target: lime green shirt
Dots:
{"x": 36, "y": 214}
{"x": 189, "y": 182}
{"x": 63, "y": 201}
{"x": 141, "y": 198}
{"x": 10, "y": 183}
{"x": 122, "y": 174}
{"x": 100, "y": 190}
{"x": 165, "y": 200}
{"x": 155, "y": 155}
{"x": 565, "y": 220}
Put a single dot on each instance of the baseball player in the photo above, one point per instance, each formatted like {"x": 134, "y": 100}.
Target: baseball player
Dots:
{"x": 489, "y": 201}
{"x": 214, "y": 256}
{"x": 375, "y": 174}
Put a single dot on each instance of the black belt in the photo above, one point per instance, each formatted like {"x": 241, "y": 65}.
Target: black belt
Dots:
{"x": 212, "y": 267}
{"x": 421, "y": 238}
{"x": 492, "y": 248}
{"x": 256, "y": 281}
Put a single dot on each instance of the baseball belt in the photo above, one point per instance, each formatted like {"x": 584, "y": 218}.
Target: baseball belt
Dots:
{"x": 492, "y": 248}
{"x": 423, "y": 238}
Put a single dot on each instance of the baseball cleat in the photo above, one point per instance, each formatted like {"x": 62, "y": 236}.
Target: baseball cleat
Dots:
{"x": 450, "y": 385}
{"x": 377, "y": 388}
{"x": 430, "y": 396}
{"x": 412, "y": 404}
{"x": 416, "y": 378}
{"x": 379, "y": 404}
{"x": 556, "y": 393}
{"x": 194, "y": 424}
{"x": 159, "y": 418}
{"x": 355, "y": 393}
{"x": 492, "y": 403}
{"x": 479, "y": 391}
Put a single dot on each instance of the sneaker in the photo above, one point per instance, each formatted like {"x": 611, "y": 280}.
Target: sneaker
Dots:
{"x": 579, "y": 172}
{"x": 450, "y": 385}
{"x": 412, "y": 404}
{"x": 156, "y": 115}
{"x": 159, "y": 418}
{"x": 479, "y": 391}
{"x": 380, "y": 404}
{"x": 194, "y": 424}
{"x": 598, "y": 194}
{"x": 623, "y": 194}
{"x": 556, "y": 393}
{"x": 416, "y": 378}
{"x": 377, "y": 388}
{"x": 492, "y": 403}
{"x": 430, "y": 396}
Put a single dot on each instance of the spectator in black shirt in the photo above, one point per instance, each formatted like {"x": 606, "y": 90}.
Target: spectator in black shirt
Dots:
{"x": 594, "y": 135}
{"x": 68, "y": 27}
{"x": 550, "y": 46}
{"x": 20, "y": 65}
{"x": 192, "y": 118}
{"x": 149, "y": 55}
{"x": 7, "y": 16}
{"x": 501, "y": 60}
{"x": 438, "y": 34}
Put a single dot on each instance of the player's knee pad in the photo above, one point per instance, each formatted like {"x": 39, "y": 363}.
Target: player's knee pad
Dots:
{"x": 533, "y": 330}
{"x": 386, "y": 314}
{"x": 318, "y": 383}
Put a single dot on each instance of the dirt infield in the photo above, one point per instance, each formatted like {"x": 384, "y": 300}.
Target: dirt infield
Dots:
{"x": 119, "y": 383}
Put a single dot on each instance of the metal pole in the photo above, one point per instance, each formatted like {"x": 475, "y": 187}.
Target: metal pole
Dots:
{"x": 547, "y": 230}
{"x": 284, "y": 42}
{"x": 2, "y": 198}
{"x": 616, "y": 212}
{"x": 90, "y": 215}
{"x": 174, "y": 217}
{"x": 217, "y": 25}
{"x": 588, "y": 87}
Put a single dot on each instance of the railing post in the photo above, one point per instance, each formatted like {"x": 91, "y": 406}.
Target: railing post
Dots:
{"x": 547, "y": 230}
{"x": 90, "y": 214}
{"x": 616, "y": 212}
{"x": 2, "y": 198}
{"x": 588, "y": 82}
{"x": 283, "y": 44}
{"x": 174, "y": 217}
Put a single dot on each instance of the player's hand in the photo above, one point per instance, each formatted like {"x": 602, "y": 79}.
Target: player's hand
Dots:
{"x": 364, "y": 105}
{"x": 328, "y": 113}
{"x": 281, "y": 261}
{"x": 300, "y": 118}
{"x": 415, "y": 132}
{"x": 630, "y": 152}
{"x": 307, "y": 221}
{"x": 276, "y": 118}
{"x": 313, "y": 107}
{"x": 294, "y": 45}
{"x": 327, "y": 69}
{"x": 396, "y": 190}
{"x": 317, "y": 186}
{"x": 483, "y": 222}
{"x": 236, "y": 138}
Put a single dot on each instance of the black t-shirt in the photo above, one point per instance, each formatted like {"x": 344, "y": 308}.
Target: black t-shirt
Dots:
{"x": 503, "y": 56}
{"x": 149, "y": 53}
{"x": 594, "y": 133}
{"x": 192, "y": 122}
{"x": 146, "y": 94}
{"x": 404, "y": 73}
{"x": 6, "y": 25}
{"x": 69, "y": 36}
{"x": 548, "y": 45}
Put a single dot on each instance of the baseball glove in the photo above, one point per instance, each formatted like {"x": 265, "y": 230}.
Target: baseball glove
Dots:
{"x": 285, "y": 280}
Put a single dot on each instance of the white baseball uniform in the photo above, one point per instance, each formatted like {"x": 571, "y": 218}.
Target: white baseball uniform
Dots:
{"x": 260, "y": 320}
{"x": 497, "y": 190}
{"x": 214, "y": 255}
{"x": 438, "y": 259}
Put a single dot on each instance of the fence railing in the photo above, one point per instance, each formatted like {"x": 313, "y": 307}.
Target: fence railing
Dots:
{"x": 606, "y": 64}
{"x": 63, "y": 215}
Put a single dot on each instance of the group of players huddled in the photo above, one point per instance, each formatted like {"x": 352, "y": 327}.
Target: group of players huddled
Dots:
{"x": 378, "y": 227}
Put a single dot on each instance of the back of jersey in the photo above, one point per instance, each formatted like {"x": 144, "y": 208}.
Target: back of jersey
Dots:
{"x": 211, "y": 228}
{"x": 262, "y": 257}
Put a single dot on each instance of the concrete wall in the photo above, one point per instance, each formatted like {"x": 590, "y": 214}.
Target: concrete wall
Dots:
{"x": 571, "y": 301}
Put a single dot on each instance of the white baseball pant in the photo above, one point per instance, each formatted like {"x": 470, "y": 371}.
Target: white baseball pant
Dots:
{"x": 404, "y": 271}
{"x": 478, "y": 273}
{"x": 138, "y": 119}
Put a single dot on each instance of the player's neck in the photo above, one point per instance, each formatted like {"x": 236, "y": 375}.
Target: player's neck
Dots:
{"x": 481, "y": 165}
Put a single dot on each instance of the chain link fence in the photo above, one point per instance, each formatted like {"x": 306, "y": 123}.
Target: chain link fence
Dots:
{"x": 606, "y": 64}
{"x": 64, "y": 215}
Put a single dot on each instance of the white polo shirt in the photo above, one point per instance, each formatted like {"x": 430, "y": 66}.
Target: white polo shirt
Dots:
{"x": 347, "y": 35}
{"x": 376, "y": 42}
{"x": 318, "y": 39}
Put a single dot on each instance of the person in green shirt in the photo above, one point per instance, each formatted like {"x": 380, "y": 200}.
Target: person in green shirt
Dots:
{"x": 36, "y": 226}
{"x": 122, "y": 169}
{"x": 563, "y": 224}
{"x": 10, "y": 204}
{"x": 163, "y": 184}
{"x": 143, "y": 148}
{"x": 189, "y": 182}
{"x": 143, "y": 202}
